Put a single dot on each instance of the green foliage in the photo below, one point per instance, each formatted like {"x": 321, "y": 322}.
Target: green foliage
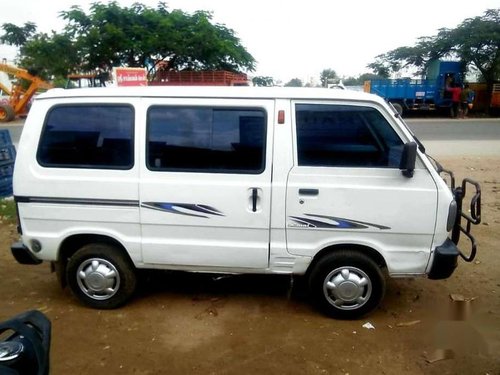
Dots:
{"x": 294, "y": 82}
{"x": 263, "y": 81}
{"x": 48, "y": 56}
{"x": 17, "y": 35}
{"x": 381, "y": 67}
{"x": 475, "y": 42}
{"x": 327, "y": 76}
{"x": 142, "y": 36}
{"x": 360, "y": 80}
{"x": 137, "y": 36}
{"x": 60, "y": 82}
{"x": 7, "y": 210}
{"x": 402, "y": 57}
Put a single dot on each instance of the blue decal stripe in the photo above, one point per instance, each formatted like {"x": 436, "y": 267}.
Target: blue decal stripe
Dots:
{"x": 350, "y": 221}
{"x": 202, "y": 208}
{"x": 197, "y": 210}
{"x": 314, "y": 221}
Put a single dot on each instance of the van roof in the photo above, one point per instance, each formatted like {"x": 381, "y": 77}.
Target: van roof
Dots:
{"x": 213, "y": 92}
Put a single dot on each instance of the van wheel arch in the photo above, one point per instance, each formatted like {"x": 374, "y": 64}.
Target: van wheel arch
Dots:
{"x": 368, "y": 251}
{"x": 347, "y": 282}
{"x": 73, "y": 243}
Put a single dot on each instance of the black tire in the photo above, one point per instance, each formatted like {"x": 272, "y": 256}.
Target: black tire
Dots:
{"x": 101, "y": 276}
{"x": 7, "y": 113}
{"x": 347, "y": 284}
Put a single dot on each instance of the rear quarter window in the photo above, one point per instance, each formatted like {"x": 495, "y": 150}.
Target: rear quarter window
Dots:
{"x": 88, "y": 136}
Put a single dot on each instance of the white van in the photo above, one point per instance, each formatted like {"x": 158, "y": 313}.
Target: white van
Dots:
{"x": 329, "y": 184}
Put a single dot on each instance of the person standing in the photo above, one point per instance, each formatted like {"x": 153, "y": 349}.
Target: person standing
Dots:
{"x": 467, "y": 99}
{"x": 456, "y": 92}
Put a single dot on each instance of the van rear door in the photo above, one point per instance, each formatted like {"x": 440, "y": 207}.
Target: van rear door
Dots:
{"x": 206, "y": 183}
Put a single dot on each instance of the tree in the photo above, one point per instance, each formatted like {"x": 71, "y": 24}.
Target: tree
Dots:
{"x": 360, "y": 80}
{"x": 263, "y": 81}
{"x": 48, "y": 56}
{"x": 137, "y": 36}
{"x": 17, "y": 35}
{"x": 294, "y": 82}
{"x": 142, "y": 36}
{"x": 380, "y": 68}
{"x": 475, "y": 42}
{"x": 326, "y": 76}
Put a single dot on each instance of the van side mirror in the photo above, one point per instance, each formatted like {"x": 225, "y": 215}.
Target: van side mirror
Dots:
{"x": 408, "y": 158}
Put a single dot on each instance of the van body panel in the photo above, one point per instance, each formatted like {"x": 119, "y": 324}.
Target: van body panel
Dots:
{"x": 365, "y": 209}
{"x": 57, "y": 203}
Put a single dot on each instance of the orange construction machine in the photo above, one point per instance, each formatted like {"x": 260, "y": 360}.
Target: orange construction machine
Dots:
{"x": 19, "y": 98}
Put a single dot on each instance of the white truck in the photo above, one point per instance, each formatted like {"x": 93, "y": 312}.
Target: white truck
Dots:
{"x": 329, "y": 184}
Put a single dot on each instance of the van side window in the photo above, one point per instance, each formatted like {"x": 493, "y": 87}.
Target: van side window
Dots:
{"x": 204, "y": 139}
{"x": 345, "y": 136}
{"x": 88, "y": 136}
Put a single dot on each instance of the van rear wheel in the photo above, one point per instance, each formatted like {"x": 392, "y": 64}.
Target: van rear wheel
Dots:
{"x": 347, "y": 284}
{"x": 100, "y": 276}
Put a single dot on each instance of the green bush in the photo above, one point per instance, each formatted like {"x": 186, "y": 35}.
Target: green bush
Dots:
{"x": 7, "y": 210}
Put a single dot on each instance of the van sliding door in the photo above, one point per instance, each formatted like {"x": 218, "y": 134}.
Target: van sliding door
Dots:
{"x": 205, "y": 183}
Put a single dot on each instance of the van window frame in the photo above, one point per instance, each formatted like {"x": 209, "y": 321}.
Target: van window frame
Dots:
{"x": 341, "y": 103}
{"x": 84, "y": 166}
{"x": 259, "y": 171}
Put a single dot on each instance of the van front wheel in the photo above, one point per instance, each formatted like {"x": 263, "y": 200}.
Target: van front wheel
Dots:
{"x": 347, "y": 284}
{"x": 100, "y": 276}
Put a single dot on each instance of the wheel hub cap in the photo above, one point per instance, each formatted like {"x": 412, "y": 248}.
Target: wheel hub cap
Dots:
{"x": 98, "y": 278}
{"x": 347, "y": 288}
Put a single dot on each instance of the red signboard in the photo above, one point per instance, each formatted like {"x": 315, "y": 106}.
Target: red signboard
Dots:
{"x": 130, "y": 76}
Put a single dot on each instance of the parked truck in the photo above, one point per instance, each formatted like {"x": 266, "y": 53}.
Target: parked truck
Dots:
{"x": 420, "y": 94}
{"x": 199, "y": 78}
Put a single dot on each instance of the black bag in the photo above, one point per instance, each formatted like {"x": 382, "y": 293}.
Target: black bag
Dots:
{"x": 26, "y": 350}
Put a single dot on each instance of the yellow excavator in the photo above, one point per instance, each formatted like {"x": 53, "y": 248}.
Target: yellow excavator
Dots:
{"x": 4, "y": 90}
{"x": 19, "y": 98}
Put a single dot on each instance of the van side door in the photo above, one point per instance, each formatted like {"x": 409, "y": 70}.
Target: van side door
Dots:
{"x": 205, "y": 191}
{"x": 346, "y": 188}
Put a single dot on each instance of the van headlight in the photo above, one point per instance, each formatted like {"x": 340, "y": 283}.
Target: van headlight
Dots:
{"x": 452, "y": 216}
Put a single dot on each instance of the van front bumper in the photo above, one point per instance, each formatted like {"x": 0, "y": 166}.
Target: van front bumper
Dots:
{"x": 23, "y": 255}
{"x": 444, "y": 261}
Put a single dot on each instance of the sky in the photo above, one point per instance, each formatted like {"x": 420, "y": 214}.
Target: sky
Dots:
{"x": 293, "y": 39}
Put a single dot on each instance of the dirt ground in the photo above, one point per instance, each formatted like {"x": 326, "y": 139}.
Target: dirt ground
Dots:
{"x": 181, "y": 323}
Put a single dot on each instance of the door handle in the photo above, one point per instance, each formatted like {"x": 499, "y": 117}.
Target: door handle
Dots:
{"x": 309, "y": 192}
{"x": 254, "y": 199}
